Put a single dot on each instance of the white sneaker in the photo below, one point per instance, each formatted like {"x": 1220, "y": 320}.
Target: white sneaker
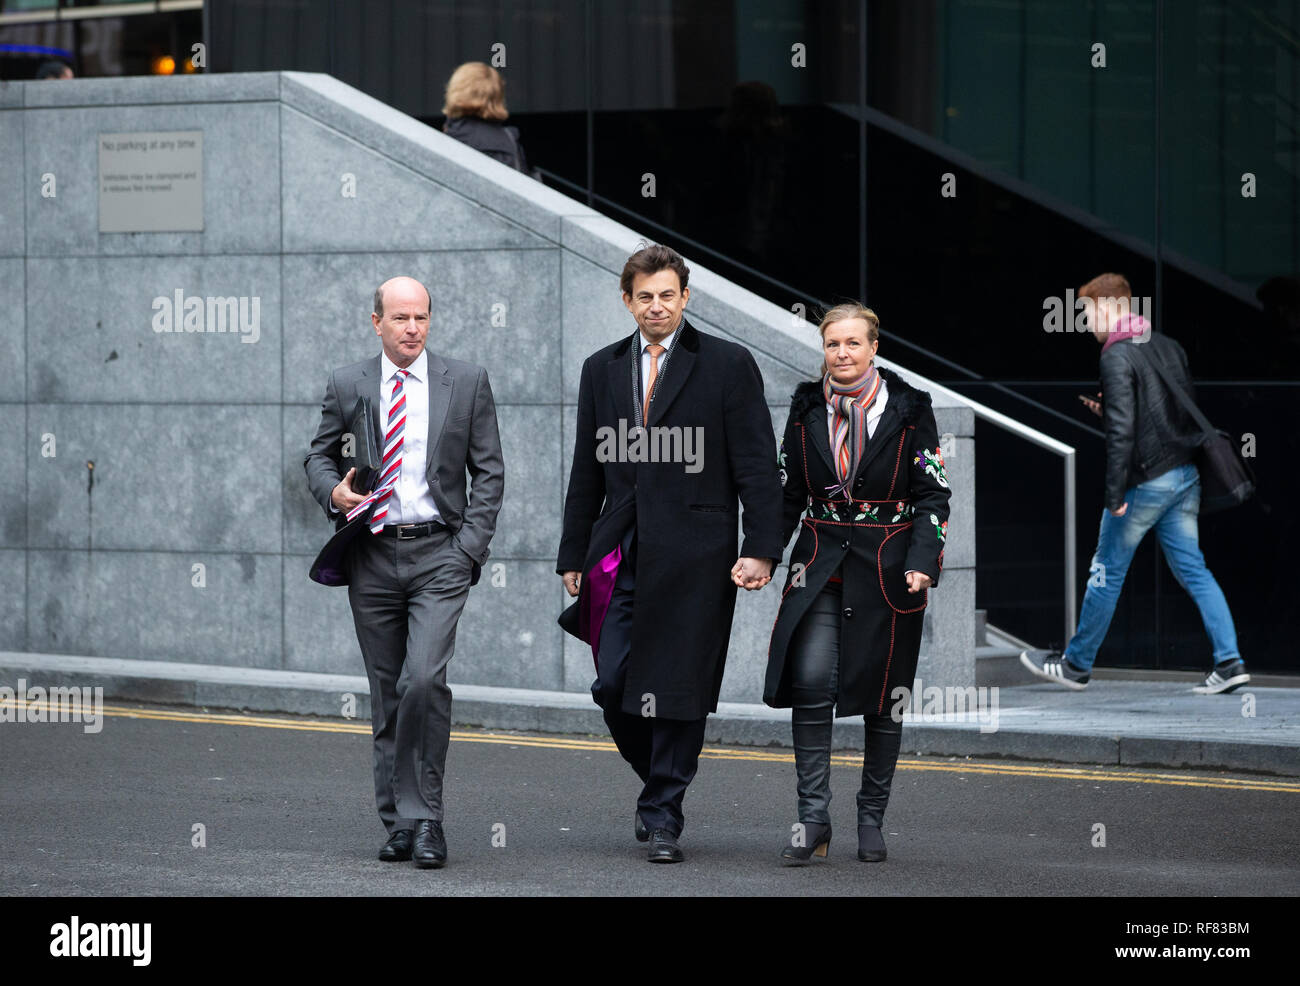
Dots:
{"x": 1051, "y": 665}
{"x": 1224, "y": 678}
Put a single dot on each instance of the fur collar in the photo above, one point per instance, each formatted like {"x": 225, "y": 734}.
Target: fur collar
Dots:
{"x": 903, "y": 397}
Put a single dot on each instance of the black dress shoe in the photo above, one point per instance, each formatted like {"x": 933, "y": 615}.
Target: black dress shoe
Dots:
{"x": 642, "y": 833}
{"x": 430, "y": 852}
{"x": 871, "y": 844}
{"x": 398, "y": 847}
{"x": 816, "y": 842}
{"x": 664, "y": 848}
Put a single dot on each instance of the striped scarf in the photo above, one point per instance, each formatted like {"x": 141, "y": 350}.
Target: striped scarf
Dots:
{"x": 851, "y": 402}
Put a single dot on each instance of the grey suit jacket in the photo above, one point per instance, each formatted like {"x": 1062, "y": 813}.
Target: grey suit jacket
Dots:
{"x": 463, "y": 436}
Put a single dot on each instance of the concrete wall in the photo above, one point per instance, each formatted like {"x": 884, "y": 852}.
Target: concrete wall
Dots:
{"x": 197, "y": 439}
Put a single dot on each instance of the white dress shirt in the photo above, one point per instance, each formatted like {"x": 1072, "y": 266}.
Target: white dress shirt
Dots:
{"x": 646, "y": 358}
{"x": 411, "y": 502}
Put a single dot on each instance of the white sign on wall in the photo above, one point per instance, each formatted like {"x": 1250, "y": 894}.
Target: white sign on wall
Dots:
{"x": 151, "y": 182}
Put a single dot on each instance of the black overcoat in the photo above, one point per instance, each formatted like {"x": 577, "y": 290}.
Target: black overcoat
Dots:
{"x": 686, "y": 521}
{"x": 896, "y": 521}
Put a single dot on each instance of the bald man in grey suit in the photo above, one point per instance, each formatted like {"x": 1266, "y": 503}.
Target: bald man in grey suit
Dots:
{"x": 408, "y": 583}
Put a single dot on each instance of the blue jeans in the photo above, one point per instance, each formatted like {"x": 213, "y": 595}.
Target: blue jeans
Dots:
{"x": 1169, "y": 503}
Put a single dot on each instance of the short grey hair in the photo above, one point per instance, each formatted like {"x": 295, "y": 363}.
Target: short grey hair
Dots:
{"x": 379, "y": 298}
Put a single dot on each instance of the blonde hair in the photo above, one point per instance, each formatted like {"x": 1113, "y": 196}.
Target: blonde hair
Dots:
{"x": 475, "y": 89}
{"x": 849, "y": 310}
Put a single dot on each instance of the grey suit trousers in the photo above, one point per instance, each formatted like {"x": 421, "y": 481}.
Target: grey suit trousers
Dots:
{"x": 407, "y": 598}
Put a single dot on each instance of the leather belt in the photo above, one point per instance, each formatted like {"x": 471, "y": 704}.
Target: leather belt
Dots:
{"x": 408, "y": 532}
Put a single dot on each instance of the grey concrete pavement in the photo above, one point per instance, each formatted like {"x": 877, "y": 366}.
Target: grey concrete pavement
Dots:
{"x": 286, "y": 809}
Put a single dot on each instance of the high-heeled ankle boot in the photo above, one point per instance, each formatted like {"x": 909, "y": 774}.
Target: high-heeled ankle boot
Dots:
{"x": 810, "y": 839}
{"x": 871, "y": 843}
{"x": 811, "y": 729}
{"x": 884, "y": 736}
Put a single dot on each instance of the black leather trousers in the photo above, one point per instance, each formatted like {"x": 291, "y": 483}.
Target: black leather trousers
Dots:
{"x": 815, "y": 661}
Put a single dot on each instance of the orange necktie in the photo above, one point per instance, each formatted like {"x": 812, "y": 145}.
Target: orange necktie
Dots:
{"x": 655, "y": 351}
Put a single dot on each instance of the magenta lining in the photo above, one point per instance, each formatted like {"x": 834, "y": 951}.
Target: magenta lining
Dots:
{"x": 595, "y": 601}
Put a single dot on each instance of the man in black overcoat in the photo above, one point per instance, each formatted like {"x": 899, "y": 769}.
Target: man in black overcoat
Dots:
{"x": 650, "y": 525}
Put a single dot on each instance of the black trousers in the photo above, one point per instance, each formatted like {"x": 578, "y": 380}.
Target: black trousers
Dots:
{"x": 815, "y": 662}
{"x": 664, "y": 753}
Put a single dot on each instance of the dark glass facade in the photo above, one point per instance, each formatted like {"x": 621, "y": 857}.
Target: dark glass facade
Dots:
{"x": 94, "y": 39}
{"x": 955, "y": 164}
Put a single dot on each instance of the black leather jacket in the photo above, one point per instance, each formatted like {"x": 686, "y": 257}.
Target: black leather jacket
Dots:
{"x": 1148, "y": 432}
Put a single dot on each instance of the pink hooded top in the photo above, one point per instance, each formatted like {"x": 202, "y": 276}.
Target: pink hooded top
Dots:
{"x": 1126, "y": 327}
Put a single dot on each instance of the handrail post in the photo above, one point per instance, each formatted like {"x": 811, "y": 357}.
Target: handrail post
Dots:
{"x": 1071, "y": 560}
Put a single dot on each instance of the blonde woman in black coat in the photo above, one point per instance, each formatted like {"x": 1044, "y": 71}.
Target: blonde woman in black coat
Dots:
{"x": 864, "y": 483}
{"x": 475, "y": 107}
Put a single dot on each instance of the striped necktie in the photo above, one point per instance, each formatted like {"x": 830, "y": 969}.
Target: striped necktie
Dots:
{"x": 391, "y": 465}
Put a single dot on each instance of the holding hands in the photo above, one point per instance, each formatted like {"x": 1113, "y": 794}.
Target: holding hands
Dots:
{"x": 752, "y": 573}
{"x": 748, "y": 573}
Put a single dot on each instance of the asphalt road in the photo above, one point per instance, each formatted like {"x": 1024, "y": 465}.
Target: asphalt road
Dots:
{"x": 286, "y": 809}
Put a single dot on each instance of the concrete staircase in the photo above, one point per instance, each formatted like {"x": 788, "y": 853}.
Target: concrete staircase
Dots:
{"x": 997, "y": 656}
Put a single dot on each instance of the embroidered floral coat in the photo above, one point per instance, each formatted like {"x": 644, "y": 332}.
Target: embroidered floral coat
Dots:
{"x": 893, "y": 519}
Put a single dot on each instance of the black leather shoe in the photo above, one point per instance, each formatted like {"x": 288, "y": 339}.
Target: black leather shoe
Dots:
{"x": 816, "y": 841}
{"x": 430, "y": 852}
{"x": 642, "y": 833}
{"x": 398, "y": 847}
{"x": 664, "y": 848}
{"x": 871, "y": 844}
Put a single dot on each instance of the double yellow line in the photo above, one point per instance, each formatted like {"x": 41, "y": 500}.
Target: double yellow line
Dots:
{"x": 1107, "y": 774}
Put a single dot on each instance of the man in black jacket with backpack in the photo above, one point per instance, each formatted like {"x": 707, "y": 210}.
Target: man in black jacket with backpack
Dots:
{"x": 1151, "y": 482}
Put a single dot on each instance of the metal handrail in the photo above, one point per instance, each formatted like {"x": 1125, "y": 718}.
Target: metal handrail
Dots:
{"x": 981, "y": 411}
{"x": 907, "y": 344}
{"x": 1067, "y": 453}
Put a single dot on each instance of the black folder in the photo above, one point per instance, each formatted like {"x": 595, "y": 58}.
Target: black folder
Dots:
{"x": 366, "y": 453}
{"x": 331, "y": 565}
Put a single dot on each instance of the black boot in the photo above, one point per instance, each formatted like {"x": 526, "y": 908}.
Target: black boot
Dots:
{"x": 812, "y": 763}
{"x": 884, "y": 736}
{"x": 807, "y": 841}
{"x": 811, "y": 729}
{"x": 871, "y": 844}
